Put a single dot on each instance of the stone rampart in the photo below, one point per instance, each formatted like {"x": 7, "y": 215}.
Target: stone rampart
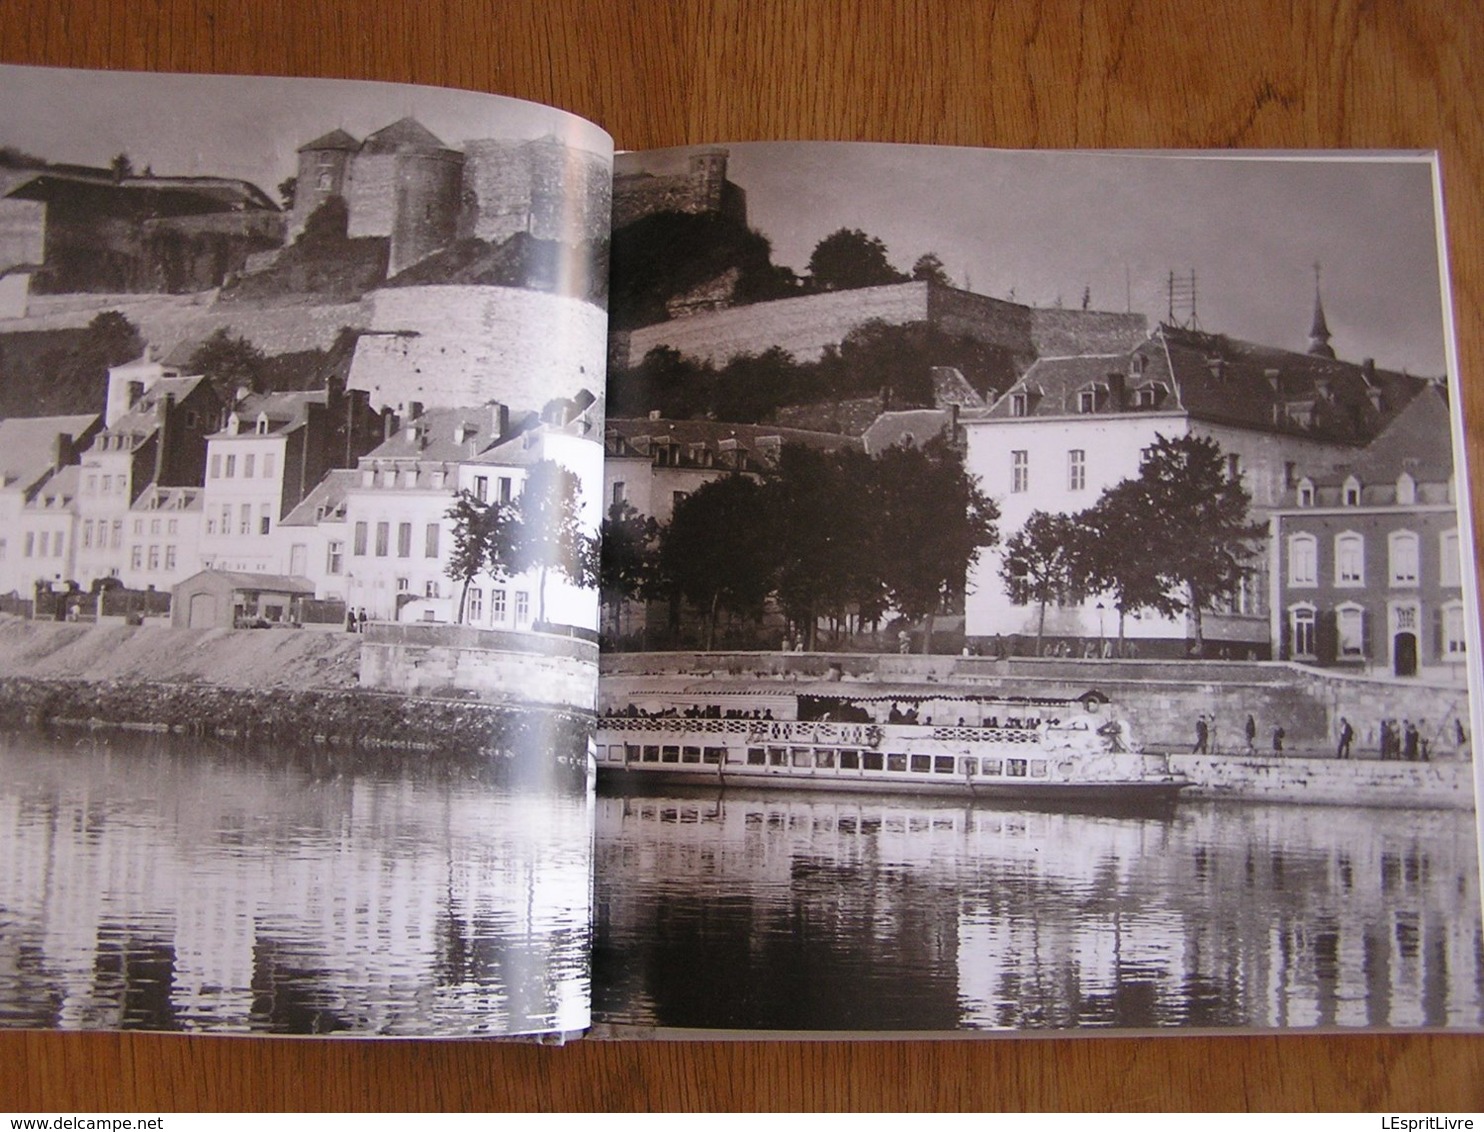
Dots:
{"x": 1448, "y": 784}
{"x": 489, "y": 665}
{"x": 1057, "y": 333}
{"x": 464, "y": 345}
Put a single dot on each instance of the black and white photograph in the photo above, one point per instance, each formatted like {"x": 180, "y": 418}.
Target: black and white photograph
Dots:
{"x": 1037, "y": 595}
{"x": 301, "y": 403}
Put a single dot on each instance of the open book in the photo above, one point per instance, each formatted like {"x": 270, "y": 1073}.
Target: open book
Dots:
{"x": 456, "y": 582}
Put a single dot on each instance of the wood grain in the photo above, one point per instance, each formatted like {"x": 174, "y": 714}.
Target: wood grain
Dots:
{"x": 1056, "y": 73}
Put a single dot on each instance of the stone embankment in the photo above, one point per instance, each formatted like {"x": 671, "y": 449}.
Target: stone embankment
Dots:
{"x": 279, "y": 686}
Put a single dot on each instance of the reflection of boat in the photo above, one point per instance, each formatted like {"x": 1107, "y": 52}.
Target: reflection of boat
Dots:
{"x": 882, "y": 740}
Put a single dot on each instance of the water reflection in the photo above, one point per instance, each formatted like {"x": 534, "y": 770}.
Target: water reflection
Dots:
{"x": 817, "y": 912}
{"x": 184, "y": 886}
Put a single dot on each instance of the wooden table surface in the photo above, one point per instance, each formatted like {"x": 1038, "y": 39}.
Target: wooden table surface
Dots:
{"x": 1054, "y": 73}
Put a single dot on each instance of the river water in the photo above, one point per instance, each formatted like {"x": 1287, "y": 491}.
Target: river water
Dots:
{"x": 167, "y": 884}
{"x": 798, "y": 912}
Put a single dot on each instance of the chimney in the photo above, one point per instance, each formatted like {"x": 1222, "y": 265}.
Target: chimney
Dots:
{"x": 388, "y": 424}
{"x": 1115, "y": 391}
{"x": 499, "y": 419}
{"x": 166, "y": 409}
{"x": 414, "y": 409}
{"x": 62, "y": 450}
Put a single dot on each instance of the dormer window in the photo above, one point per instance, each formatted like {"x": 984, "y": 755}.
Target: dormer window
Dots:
{"x": 1019, "y": 404}
{"x": 262, "y": 424}
{"x": 1306, "y": 492}
{"x": 1350, "y": 494}
{"x": 1406, "y": 489}
{"x": 1087, "y": 401}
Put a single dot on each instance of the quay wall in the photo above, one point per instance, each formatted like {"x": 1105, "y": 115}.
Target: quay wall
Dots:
{"x": 461, "y": 661}
{"x": 1365, "y": 782}
{"x": 1161, "y": 698}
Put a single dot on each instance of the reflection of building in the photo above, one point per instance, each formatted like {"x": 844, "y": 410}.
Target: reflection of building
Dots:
{"x": 1073, "y": 426}
{"x": 1365, "y": 555}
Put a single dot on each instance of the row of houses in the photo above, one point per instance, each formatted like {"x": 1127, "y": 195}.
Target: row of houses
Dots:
{"x": 304, "y": 493}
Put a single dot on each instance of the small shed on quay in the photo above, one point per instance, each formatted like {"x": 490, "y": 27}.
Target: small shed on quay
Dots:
{"x": 226, "y": 599}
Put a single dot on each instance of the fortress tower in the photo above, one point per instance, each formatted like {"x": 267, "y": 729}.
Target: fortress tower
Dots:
{"x": 324, "y": 168}
{"x": 404, "y": 185}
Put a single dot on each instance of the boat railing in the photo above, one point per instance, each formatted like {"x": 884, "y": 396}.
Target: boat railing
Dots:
{"x": 820, "y": 731}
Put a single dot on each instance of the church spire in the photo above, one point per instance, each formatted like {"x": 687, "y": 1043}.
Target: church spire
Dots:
{"x": 1319, "y": 329}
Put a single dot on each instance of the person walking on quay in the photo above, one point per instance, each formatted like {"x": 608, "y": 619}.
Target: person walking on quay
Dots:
{"x": 1202, "y": 735}
{"x": 1347, "y": 736}
{"x": 1250, "y": 730}
{"x": 1410, "y": 737}
{"x": 1278, "y": 736}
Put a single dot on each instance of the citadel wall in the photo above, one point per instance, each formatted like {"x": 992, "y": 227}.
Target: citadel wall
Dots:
{"x": 463, "y": 345}
{"x": 543, "y": 187}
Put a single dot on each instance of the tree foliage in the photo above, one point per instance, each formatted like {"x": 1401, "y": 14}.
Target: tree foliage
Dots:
{"x": 1041, "y": 564}
{"x": 628, "y": 545}
{"x": 929, "y": 269}
{"x": 480, "y": 538}
{"x": 230, "y": 364}
{"x": 545, "y": 532}
{"x": 848, "y": 258}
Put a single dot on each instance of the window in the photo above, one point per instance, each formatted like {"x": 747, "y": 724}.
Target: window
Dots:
{"x": 383, "y": 539}
{"x": 522, "y": 607}
{"x": 335, "y": 556}
{"x": 231, "y": 466}
{"x": 92, "y": 486}
{"x": 404, "y": 585}
{"x": 139, "y": 526}
{"x": 172, "y": 526}
{"x": 497, "y": 605}
{"x": 87, "y": 535}
{"x": 1301, "y": 626}
{"x": 1402, "y": 556}
{"x": 226, "y": 518}
{"x": 136, "y": 556}
{"x": 265, "y": 518}
{"x": 475, "y": 611}
{"x": 1455, "y": 640}
{"x": 430, "y": 589}
{"x": 117, "y": 541}
{"x": 244, "y": 519}
{"x": 409, "y": 477}
{"x": 404, "y": 540}
{"x": 430, "y": 541}
{"x": 1076, "y": 469}
{"x": 1406, "y": 488}
{"x": 482, "y": 488}
{"x": 1350, "y": 626}
{"x": 1451, "y": 566}
{"x": 1020, "y": 469}
{"x": 1019, "y": 404}
{"x": 1349, "y": 560}
{"x": 154, "y": 526}
{"x": 618, "y": 496}
{"x": 30, "y": 546}
{"x": 1233, "y": 466}
{"x": 216, "y": 467}
{"x": 249, "y": 465}
{"x": 1350, "y": 494}
{"x": 360, "y": 540}
{"x": 170, "y": 557}
{"x": 107, "y": 485}
{"x": 505, "y": 486}
{"x": 1087, "y": 401}
{"x": 267, "y": 465}
{"x": 154, "y": 557}
{"x": 1303, "y": 560}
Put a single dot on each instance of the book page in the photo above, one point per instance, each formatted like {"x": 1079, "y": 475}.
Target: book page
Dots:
{"x": 301, "y": 435}
{"x": 1037, "y": 597}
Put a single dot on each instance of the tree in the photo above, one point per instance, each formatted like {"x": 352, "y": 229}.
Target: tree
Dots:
{"x": 286, "y": 189}
{"x": 717, "y": 552}
{"x": 627, "y": 549}
{"x": 546, "y": 533}
{"x": 848, "y": 258}
{"x": 935, "y": 521}
{"x": 82, "y": 373}
{"x": 229, "y": 363}
{"x": 929, "y": 269}
{"x": 478, "y": 538}
{"x": 1039, "y": 564}
{"x": 1110, "y": 557}
{"x": 121, "y": 166}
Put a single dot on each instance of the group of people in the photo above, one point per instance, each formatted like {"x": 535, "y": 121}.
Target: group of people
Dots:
{"x": 1205, "y": 735}
{"x": 355, "y": 619}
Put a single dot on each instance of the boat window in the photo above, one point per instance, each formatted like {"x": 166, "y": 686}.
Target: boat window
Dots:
{"x": 1016, "y": 768}
{"x": 943, "y": 764}
{"x": 669, "y": 754}
{"x": 971, "y": 766}
{"x": 922, "y": 763}
{"x": 651, "y": 754}
{"x": 850, "y": 760}
{"x": 872, "y": 760}
{"x": 824, "y": 758}
{"x": 896, "y": 762}
{"x": 690, "y": 755}
{"x": 802, "y": 756}
{"x": 615, "y": 753}
{"x": 1038, "y": 768}
{"x": 991, "y": 767}
{"x": 755, "y": 756}
{"x": 631, "y": 752}
{"x": 714, "y": 755}
{"x": 777, "y": 756}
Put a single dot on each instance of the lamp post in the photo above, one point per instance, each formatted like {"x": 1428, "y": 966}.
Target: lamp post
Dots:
{"x": 1102, "y": 651}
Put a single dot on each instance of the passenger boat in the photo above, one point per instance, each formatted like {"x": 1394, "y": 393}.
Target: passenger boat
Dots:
{"x": 880, "y": 740}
